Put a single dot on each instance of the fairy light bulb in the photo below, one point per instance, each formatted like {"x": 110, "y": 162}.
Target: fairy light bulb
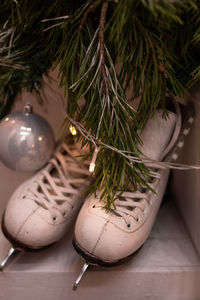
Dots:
{"x": 73, "y": 130}
{"x": 91, "y": 168}
{"x": 94, "y": 157}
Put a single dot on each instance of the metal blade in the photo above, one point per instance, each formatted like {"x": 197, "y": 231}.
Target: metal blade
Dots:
{"x": 10, "y": 254}
{"x": 84, "y": 269}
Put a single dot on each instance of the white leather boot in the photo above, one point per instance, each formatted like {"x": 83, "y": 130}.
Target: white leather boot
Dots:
{"x": 42, "y": 208}
{"x": 109, "y": 238}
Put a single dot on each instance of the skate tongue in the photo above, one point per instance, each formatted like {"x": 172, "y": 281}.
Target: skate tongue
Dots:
{"x": 157, "y": 134}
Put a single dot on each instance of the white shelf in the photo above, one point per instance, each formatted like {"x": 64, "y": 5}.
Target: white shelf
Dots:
{"x": 167, "y": 267}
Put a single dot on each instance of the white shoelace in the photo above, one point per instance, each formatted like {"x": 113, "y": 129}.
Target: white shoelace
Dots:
{"x": 56, "y": 185}
{"x": 128, "y": 203}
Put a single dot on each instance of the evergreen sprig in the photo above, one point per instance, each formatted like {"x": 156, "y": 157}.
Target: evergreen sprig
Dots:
{"x": 109, "y": 54}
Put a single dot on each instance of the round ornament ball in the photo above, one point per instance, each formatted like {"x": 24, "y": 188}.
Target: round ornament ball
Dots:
{"x": 26, "y": 141}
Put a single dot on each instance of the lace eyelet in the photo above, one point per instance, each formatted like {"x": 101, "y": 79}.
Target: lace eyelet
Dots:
{"x": 54, "y": 218}
{"x": 137, "y": 220}
{"x": 24, "y": 197}
{"x": 144, "y": 211}
{"x": 64, "y": 213}
{"x": 128, "y": 225}
{"x": 93, "y": 206}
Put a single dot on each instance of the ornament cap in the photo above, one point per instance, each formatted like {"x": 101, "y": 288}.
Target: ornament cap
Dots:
{"x": 28, "y": 108}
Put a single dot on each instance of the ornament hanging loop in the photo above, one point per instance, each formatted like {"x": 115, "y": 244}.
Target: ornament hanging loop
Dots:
{"x": 28, "y": 108}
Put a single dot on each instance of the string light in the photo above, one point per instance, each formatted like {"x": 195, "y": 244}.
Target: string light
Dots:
{"x": 94, "y": 157}
{"x": 73, "y": 130}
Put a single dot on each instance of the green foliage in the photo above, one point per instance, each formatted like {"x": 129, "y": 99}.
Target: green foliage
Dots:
{"x": 109, "y": 53}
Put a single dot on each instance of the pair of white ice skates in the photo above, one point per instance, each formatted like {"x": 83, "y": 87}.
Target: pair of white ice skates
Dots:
{"x": 41, "y": 209}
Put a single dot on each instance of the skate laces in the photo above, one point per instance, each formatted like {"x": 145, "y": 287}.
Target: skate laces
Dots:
{"x": 132, "y": 204}
{"x": 56, "y": 185}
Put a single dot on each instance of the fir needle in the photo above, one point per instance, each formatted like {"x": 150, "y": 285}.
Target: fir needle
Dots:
{"x": 84, "y": 269}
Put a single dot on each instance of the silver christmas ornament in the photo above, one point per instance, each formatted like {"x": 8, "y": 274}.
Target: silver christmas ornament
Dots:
{"x": 26, "y": 141}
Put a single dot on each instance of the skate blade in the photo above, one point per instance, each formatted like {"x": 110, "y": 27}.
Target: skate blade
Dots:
{"x": 10, "y": 255}
{"x": 84, "y": 269}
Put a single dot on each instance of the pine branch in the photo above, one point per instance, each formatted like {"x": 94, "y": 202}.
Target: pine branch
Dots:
{"x": 154, "y": 44}
{"x": 101, "y": 39}
{"x": 86, "y": 13}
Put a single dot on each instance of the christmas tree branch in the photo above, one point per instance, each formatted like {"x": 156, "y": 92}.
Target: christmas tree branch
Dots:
{"x": 86, "y": 13}
{"x": 104, "y": 49}
{"x": 101, "y": 39}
